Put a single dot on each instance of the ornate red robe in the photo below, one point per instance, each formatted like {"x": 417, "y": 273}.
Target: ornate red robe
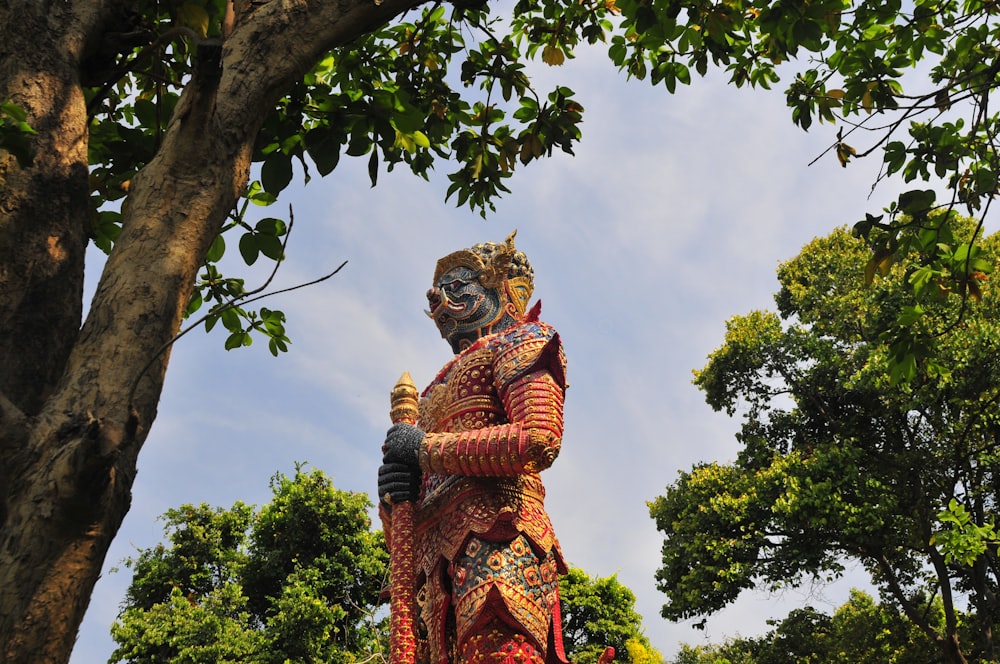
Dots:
{"x": 494, "y": 420}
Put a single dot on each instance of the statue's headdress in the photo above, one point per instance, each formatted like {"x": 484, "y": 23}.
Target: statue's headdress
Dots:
{"x": 499, "y": 266}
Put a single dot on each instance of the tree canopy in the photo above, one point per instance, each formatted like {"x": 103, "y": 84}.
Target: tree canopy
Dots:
{"x": 860, "y": 630}
{"x": 297, "y": 580}
{"x": 838, "y": 462}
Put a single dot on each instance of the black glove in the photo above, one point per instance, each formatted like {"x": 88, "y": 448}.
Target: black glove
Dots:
{"x": 402, "y": 444}
{"x": 400, "y": 481}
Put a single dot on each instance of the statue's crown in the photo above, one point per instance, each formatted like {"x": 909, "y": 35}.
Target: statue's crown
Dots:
{"x": 495, "y": 265}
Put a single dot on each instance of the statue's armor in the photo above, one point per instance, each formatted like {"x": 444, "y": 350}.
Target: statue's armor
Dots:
{"x": 494, "y": 420}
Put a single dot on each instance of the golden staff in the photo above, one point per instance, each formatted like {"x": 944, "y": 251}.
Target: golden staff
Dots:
{"x": 402, "y": 568}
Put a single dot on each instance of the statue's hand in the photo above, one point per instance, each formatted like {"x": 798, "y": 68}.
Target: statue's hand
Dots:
{"x": 402, "y": 445}
{"x": 399, "y": 481}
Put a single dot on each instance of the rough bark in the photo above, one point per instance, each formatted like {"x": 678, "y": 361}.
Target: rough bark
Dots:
{"x": 76, "y": 403}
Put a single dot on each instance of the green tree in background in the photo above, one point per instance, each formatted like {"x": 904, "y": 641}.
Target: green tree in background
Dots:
{"x": 734, "y": 651}
{"x": 859, "y": 631}
{"x": 600, "y": 612}
{"x": 864, "y": 630}
{"x": 297, "y": 580}
{"x": 839, "y": 463}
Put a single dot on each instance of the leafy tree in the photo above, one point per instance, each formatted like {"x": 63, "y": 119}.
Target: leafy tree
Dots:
{"x": 734, "y": 651}
{"x": 803, "y": 637}
{"x": 908, "y": 83}
{"x": 837, "y": 462}
{"x": 859, "y": 631}
{"x": 297, "y": 580}
{"x": 600, "y": 612}
{"x": 864, "y": 630}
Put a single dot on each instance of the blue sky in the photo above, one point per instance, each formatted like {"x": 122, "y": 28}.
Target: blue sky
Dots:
{"x": 672, "y": 217}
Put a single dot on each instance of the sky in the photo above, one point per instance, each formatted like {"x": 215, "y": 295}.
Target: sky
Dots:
{"x": 672, "y": 217}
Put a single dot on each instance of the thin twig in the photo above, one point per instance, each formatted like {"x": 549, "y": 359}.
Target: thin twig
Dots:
{"x": 244, "y": 298}
{"x": 122, "y": 71}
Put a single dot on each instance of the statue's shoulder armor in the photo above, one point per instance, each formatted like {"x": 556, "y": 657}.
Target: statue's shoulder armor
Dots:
{"x": 525, "y": 347}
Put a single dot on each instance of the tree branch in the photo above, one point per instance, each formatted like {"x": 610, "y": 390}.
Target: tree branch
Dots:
{"x": 897, "y": 592}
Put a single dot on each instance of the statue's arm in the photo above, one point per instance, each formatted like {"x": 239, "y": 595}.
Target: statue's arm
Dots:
{"x": 530, "y": 441}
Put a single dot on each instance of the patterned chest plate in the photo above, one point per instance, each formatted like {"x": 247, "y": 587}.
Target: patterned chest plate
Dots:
{"x": 464, "y": 397}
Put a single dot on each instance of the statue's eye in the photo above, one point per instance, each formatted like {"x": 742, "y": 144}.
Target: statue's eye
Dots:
{"x": 455, "y": 285}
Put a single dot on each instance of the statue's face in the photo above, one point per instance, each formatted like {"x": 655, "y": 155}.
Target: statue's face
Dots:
{"x": 461, "y": 306}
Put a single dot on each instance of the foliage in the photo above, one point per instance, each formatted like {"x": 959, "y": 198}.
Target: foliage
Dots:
{"x": 917, "y": 77}
{"x": 961, "y": 538}
{"x": 838, "y": 462}
{"x": 640, "y": 651}
{"x": 445, "y": 83}
{"x": 209, "y": 629}
{"x": 324, "y": 536}
{"x": 859, "y": 631}
{"x": 864, "y": 630}
{"x": 735, "y": 651}
{"x": 396, "y": 98}
{"x": 600, "y": 612}
{"x": 297, "y": 580}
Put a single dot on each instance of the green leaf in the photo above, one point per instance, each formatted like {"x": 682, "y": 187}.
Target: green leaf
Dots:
{"x": 909, "y": 315}
{"x": 236, "y": 340}
{"x": 258, "y": 196}
{"x": 920, "y": 278}
{"x": 270, "y": 226}
{"x": 249, "y": 248}
{"x": 107, "y": 225}
{"x": 194, "y": 304}
{"x": 373, "y": 167}
{"x": 324, "y": 149}
{"x": 894, "y": 156}
{"x": 420, "y": 138}
{"x": 270, "y": 246}
{"x": 916, "y": 201}
{"x": 217, "y": 250}
{"x": 13, "y": 111}
{"x": 231, "y": 319}
{"x": 276, "y": 172}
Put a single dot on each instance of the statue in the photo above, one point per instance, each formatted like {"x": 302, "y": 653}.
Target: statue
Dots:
{"x": 485, "y": 559}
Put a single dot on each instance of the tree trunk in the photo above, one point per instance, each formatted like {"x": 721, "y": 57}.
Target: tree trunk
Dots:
{"x": 43, "y": 216}
{"x": 76, "y": 403}
{"x": 952, "y": 650}
{"x": 949, "y": 640}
